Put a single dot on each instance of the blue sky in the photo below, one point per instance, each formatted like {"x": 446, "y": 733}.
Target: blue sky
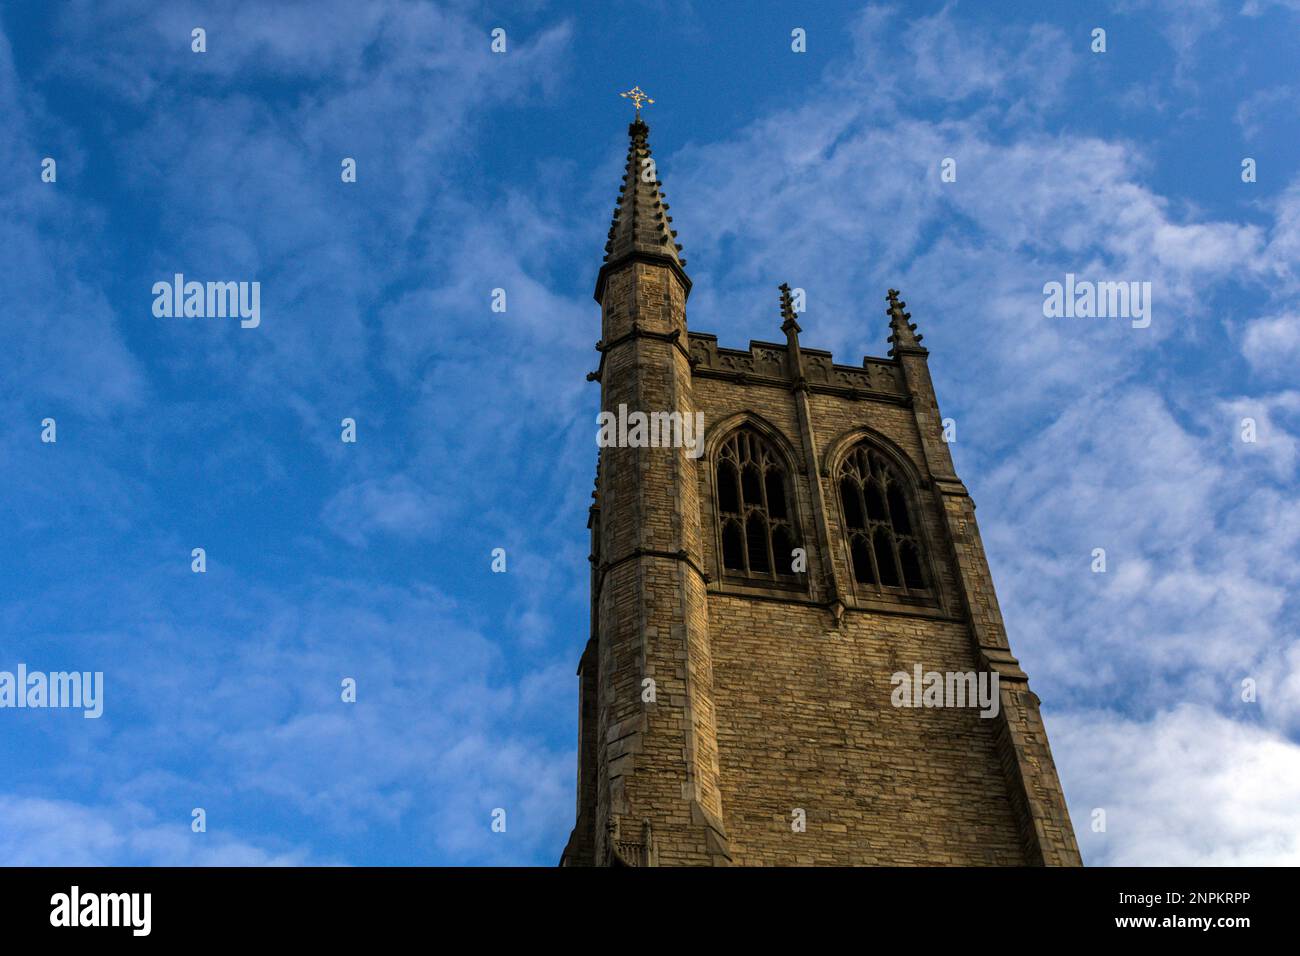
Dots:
{"x": 476, "y": 429}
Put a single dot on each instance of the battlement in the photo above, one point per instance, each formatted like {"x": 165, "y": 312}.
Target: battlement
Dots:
{"x": 765, "y": 364}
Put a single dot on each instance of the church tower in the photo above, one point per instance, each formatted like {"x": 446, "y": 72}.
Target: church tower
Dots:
{"x": 760, "y": 589}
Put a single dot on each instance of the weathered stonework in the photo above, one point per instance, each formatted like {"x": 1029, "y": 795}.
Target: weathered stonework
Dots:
{"x": 771, "y": 698}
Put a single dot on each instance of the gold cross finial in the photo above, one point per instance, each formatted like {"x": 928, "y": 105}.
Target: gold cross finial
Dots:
{"x": 637, "y": 95}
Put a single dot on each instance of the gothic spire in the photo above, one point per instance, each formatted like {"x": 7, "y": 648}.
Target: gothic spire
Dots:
{"x": 641, "y": 229}
{"x": 902, "y": 331}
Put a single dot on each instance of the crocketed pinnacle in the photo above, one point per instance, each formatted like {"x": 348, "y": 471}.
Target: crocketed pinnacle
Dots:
{"x": 787, "y": 311}
{"x": 902, "y": 332}
{"x": 641, "y": 229}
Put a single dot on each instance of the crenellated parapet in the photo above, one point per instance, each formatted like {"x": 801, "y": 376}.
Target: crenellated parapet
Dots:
{"x": 765, "y": 364}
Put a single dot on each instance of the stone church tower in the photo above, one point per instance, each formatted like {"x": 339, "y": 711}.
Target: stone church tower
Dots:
{"x": 751, "y": 604}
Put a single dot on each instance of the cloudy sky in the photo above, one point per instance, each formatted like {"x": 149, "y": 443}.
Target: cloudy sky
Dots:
{"x": 475, "y": 428}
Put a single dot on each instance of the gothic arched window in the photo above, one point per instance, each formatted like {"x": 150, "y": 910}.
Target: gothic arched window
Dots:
{"x": 884, "y": 543}
{"x": 754, "y": 509}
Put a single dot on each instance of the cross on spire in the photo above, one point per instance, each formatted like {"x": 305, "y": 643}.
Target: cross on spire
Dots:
{"x": 637, "y": 96}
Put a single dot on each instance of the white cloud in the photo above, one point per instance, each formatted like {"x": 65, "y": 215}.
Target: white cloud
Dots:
{"x": 1189, "y": 787}
{"x": 42, "y": 832}
{"x": 1256, "y": 109}
{"x": 1272, "y": 344}
{"x": 396, "y": 505}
